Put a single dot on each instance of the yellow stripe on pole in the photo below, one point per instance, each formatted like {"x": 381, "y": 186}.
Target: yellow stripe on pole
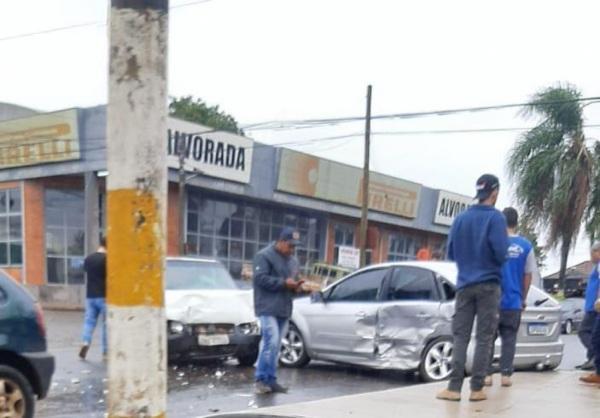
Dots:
{"x": 135, "y": 266}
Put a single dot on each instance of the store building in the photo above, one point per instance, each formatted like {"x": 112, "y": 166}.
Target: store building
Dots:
{"x": 239, "y": 195}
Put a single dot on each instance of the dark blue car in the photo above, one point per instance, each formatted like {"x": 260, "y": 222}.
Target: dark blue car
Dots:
{"x": 26, "y": 367}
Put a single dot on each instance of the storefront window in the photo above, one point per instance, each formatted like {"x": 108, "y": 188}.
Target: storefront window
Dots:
{"x": 65, "y": 236}
{"x": 403, "y": 247}
{"x": 343, "y": 237}
{"x": 234, "y": 231}
{"x": 11, "y": 230}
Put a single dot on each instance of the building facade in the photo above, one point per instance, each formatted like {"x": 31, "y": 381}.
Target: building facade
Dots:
{"x": 239, "y": 194}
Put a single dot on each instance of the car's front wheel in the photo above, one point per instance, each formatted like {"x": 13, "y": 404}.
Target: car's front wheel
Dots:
{"x": 293, "y": 349}
{"x": 437, "y": 360}
{"x": 16, "y": 395}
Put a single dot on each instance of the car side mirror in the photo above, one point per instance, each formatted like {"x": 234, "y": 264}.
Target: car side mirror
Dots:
{"x": 317, "y": 297}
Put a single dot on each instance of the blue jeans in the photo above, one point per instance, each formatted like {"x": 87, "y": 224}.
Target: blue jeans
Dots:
{"x": 272, "y": 330}
{"x": 94, "y": 307}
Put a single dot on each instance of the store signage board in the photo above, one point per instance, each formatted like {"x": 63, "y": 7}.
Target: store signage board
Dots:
{"x": 449, "y": 206}
{"x": 349, "y": 257}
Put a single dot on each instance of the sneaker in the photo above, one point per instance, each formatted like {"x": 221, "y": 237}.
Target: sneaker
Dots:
{"x": 587, "y": 366}
{"x": 448, "y": 395}
{"x": 83, "y": 351}
{"x": 489, "y": 381}
{"x": 277, "y": 388}
{"x": 262, "y": 388}
{"x": 478, "y": 396}
{"x": 591, "y": 378}
{"x": 506, "y": 381}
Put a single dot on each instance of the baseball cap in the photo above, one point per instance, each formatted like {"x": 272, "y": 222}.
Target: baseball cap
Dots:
{"x": 486, "y": 184}
{"x": 290, "y": 235}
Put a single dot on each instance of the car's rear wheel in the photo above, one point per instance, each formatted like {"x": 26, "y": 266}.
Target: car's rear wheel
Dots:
{"x": 569, "y": 327}
{"x": 437, "y": 360}
{"x": 16, "y": 395}
{"x": 293, "y": 349}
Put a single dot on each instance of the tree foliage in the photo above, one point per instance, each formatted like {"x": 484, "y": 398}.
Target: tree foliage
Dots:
{"x": 196, "y": 110}
{"x": 553, "y": 169}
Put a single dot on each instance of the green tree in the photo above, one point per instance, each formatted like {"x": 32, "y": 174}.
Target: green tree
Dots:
{"x": 195, "y": 110}
{"x": 553, "y": 168}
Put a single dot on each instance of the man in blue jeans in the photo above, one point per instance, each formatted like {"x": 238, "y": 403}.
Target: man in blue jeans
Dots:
{"x": 95, "y": 304}
{"x": 275, "y": 282}
{"x": 478, "y": 243}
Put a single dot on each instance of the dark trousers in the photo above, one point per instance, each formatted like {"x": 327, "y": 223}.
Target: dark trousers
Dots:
{"x": 585, "y": 332}
{"x": 596, "y": 343}
{"x": 479, "y": 301}
{"x": 508, "y": 331}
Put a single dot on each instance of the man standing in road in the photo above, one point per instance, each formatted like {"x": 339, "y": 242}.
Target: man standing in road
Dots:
{"x": 589, "y": 332}
{"x": 516, "y": 281}
{"x": 478, "y": 243}
{"x": 95, "y": 304}
{"x": 275, "y": 282}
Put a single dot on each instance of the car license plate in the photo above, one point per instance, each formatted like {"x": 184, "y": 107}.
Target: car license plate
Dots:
{"x": 211, "y": 340}
{"x": 538, "y": 329}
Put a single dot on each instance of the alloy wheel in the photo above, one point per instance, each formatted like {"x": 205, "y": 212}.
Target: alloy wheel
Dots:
{"x": 292, "y": 347}
{"x": 12, "y": 400}
{"x": 438, "y": 360}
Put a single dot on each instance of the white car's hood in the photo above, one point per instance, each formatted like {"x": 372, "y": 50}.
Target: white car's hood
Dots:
{"x": 210, "y": 306}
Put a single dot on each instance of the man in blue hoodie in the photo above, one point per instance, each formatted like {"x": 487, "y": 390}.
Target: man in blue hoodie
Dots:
{"x": 478, "y": 243}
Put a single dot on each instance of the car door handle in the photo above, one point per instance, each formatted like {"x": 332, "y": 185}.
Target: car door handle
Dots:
{"x": 361, "y": 314}
{"x": 423, "y": 315}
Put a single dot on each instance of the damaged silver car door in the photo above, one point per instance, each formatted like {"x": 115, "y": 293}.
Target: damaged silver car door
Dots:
{"x": 342, "y": 327}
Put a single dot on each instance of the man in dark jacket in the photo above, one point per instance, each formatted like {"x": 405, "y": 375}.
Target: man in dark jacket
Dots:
{"x": 478, "y": 243}
{"x": 275, "y": 282}
{"x": 95, "y": 304}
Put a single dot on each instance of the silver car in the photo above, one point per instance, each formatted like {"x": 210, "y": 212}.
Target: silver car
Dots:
{"x": 398, "y": 316}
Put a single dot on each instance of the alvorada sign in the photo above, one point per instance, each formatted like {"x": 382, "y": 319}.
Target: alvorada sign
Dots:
{"x": 217, "y": 154}
{"x": 449, "y": 206}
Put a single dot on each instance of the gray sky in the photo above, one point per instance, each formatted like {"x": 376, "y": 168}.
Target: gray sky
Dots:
{"x": 294, "y": 59}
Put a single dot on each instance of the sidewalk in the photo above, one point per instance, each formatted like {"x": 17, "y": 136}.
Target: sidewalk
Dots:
{"x": 534, "y": 395}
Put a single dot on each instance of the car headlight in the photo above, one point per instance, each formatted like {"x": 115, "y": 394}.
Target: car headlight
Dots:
{"x": 249, "y": 328}
{"x": 176, "y": 327}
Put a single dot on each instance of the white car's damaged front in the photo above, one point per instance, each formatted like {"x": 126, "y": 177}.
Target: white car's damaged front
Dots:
{"x": 208, "y": 317}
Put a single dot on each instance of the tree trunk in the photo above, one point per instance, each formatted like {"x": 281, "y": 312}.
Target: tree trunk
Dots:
{"x": 564, "y": 257}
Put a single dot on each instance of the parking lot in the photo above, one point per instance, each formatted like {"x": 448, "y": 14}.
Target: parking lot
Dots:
{"x": 79, "y": 388}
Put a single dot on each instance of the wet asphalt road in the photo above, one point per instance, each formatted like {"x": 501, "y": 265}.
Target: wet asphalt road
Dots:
{"x": 197, "y": 390}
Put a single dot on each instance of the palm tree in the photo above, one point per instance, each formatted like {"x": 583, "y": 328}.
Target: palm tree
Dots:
{"x": 553, "y": 168}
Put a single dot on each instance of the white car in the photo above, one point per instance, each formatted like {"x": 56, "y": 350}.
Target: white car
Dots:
{"x": 208, "y": 316}
{"x": 399, "y": 315}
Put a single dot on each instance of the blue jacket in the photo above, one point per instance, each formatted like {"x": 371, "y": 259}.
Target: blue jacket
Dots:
{"x": 478, "y": 243}
{"x": 271, "y": 269}
{"x": 593, "y": 289}
{"x": 513, "y": 273}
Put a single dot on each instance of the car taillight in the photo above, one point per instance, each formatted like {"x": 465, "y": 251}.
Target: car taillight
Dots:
{"x": 39, "y": 317}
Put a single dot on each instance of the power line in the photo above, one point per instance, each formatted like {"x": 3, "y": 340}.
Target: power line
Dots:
{"x": 295, "y": 124}
{"x": 86, "y": 24}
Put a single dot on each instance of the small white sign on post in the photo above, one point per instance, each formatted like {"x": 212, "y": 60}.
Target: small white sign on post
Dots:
{"x": 349, "y": 257}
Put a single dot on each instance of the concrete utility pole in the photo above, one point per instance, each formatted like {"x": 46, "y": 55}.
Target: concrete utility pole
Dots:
{"x": 182, "y": 181}
{"x": 137, "y": 201}
{"x": 364, "y": 219}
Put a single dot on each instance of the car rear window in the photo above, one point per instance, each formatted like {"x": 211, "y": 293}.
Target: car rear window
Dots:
{"x": 539, "y": 298}
{"x": 197, "y": 275}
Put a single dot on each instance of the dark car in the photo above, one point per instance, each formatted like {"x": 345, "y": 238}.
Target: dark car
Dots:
{"x": 26, "y": 367}
{"x": 572, "y": 310}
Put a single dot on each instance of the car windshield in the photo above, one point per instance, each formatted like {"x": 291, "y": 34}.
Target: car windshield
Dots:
{"x": 538, "y": 298}
{"x": 197, "y": 275}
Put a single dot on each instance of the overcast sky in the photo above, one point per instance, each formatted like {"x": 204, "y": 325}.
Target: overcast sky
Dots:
{"x": 295, "y": 59}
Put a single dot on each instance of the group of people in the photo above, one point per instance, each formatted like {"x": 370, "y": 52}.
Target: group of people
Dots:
{"x": 495, "y": 267}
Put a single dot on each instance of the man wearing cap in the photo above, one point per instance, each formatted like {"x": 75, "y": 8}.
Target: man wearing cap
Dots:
{"x": 275, "y": 282}
{"x": 478, "y": 243}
